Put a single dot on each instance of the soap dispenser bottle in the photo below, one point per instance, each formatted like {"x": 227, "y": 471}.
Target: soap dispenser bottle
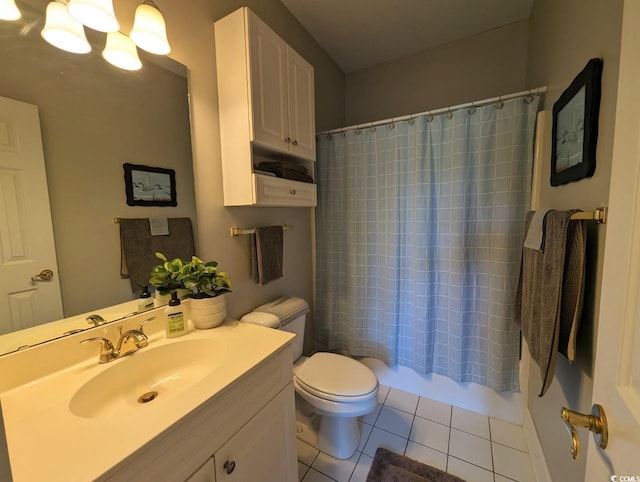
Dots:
{"x": 176, "y": 322}
{"x": 145, "y": 302}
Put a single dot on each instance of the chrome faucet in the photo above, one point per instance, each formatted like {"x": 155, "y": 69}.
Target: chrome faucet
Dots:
{"x": 109, "y": 353}
{"x": 96, "y": 320}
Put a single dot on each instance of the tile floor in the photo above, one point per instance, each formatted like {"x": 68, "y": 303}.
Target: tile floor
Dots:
{"x": 472, "y": 446}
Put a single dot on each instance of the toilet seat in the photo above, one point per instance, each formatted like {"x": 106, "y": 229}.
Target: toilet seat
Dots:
{"x": 336, "y": 378}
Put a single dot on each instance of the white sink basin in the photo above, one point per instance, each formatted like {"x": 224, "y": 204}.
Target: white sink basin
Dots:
{"x": 155, "y": 373}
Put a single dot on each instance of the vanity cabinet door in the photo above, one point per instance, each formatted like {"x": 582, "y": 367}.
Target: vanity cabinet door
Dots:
{"x": 206, "y": 473}
{"x": 265, "y": 448}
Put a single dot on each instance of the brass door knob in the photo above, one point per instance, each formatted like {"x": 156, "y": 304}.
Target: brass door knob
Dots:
{"x": 44, "y": 275}
{"x": 596, "y": 423}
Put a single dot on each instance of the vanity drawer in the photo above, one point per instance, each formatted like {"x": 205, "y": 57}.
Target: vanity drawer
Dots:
{"x": 274, "y": 191}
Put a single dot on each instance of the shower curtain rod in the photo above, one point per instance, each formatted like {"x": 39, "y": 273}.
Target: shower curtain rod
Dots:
{"x": 443, "y": 110}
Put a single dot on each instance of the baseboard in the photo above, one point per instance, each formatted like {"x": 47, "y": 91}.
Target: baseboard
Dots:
{"x": 540, "y": 467}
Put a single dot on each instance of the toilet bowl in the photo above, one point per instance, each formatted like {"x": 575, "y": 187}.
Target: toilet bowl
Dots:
{"x": 335, "y": 388}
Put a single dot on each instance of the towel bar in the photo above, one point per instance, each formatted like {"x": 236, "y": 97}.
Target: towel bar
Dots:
{"x": 598, "y": 215}
{"x": 239, "y": 231}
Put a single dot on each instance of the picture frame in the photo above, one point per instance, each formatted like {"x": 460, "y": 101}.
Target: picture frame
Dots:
{"x": 149, "y": 186}
{"x": 575, "y": 127}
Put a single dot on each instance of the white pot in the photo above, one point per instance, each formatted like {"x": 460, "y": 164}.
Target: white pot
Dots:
{"x": 207, "y": 312}
{"x": 161, "y": 299}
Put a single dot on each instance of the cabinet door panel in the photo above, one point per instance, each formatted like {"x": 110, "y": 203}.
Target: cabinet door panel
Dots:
{"x": 269, "y": 86}
{"x": 301, "y": 106}
{"x": 206, "y": 473}
{"x": 265, "y": 448}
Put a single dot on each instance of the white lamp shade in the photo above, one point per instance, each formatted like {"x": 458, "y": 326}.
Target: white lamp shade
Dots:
{"x": 8, "y": 10}
{"x": 121, "y": 52}
{"x": 63, "y": 31}
{"x": 95, "y": 14}
{"x": 149, "y": 31}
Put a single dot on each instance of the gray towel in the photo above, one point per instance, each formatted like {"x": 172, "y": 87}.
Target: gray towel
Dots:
{"x": 267, "y": 254}
{"x": 138, "y": 247}
{"x": 540, "y": 300}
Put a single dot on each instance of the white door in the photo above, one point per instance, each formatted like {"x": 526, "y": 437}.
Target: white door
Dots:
{"x": 617, "y": 371}
{"x": 26, "y": 232}
{"x": 302, "y": 115}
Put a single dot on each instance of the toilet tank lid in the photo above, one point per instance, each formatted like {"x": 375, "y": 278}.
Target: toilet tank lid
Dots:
{"x": 286, "y": 308}
{"x": 262, "y": 319}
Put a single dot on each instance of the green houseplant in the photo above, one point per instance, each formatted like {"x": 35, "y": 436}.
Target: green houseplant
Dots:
{"x": 203, "y": 282}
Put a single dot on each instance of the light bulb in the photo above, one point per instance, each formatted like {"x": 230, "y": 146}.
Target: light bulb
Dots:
{"x": 121, "y": 52}
{"x": 9, "y": 10}
{"x": 95, "y": 14}
{"x": 149, "y": 31}
{"x": 63, "y": 31}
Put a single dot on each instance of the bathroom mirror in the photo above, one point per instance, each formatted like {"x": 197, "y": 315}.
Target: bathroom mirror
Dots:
{"x": 94, "y": 118}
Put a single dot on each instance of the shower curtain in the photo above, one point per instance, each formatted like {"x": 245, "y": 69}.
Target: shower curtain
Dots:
{"x": 419, "y": 232}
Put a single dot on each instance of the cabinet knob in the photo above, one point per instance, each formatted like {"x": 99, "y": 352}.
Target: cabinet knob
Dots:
{"x": 229, "y": 466}
{"x": 288, "y": 140}
{"x": 292, "y": 192}
{"x": 295, "y": 143}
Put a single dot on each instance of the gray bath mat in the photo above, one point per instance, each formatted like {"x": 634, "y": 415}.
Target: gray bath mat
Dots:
{"x": 391, "y": 467}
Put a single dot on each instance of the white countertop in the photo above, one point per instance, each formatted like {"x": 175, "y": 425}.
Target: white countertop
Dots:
{"x": 48, "y": 442}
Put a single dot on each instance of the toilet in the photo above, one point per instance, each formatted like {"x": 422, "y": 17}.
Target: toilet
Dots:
{"x": 332, "y": 390}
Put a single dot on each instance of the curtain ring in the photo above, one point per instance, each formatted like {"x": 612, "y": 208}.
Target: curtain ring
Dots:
{"x": 449, "y": 115}
{"x": 343, "y": 134}
{"x": 392, "y": 125}
{"x": 373, "y": 128}
{"x": 358, "y": 131}
{"x": 411, "y": 121}
{"x": 528, "y": 99}
{"x": 472, "y": 109}
{"x": 499, "y": 104}
{"x": 429, "y": 117}
{"x": 329, "y": 137}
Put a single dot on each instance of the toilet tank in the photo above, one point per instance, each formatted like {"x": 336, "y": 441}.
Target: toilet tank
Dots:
{"x": 296, "y": 326}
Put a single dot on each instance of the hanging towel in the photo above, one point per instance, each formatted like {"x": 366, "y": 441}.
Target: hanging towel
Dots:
{"x": 540, "y": 300}
{"x": 139, "y": 246}
{"x": 535, "y": 233}
{"x": 266, "y": 254}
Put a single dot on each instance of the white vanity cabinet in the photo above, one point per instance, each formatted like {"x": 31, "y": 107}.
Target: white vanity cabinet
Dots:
{"x": 247, "y": 433}
{"x": 267, "y": 109}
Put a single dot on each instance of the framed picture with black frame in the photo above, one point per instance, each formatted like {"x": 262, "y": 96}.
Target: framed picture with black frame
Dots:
{"x": 149, "y": 186}
{"x": 575, "y": 127}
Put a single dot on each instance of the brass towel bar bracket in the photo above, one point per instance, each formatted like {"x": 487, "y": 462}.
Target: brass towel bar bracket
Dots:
{"x": 240, "y": 232}
{"x": 598, "y": 215}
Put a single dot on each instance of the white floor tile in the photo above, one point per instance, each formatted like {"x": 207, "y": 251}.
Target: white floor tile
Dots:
{"x": 431, "y": 434}
{"x": 306, "y": 453}
{"x": 434, "y": 410}
{"x": 405, "y": 401}
{"x": 383, "y": 391}
{"x": 380, "y": 438}
{"x": 395, "y": 421}
{"x": 467, "y": 471}
{"x": 508, "y": 434}
{"x": 470, "y": 422}
{"x": 337, "y": 469}
{"x": 371, "y": 418}
{"x": 513, "y": 463}
{"x": 315, "y": 476}
{"x": 426, "y": 455}
{"x": 501, "y": 478}
{"x": 471, "y": 448}
{"x": 365, "y": 431}
{"x": 362, "y": 469}
{"x": 302, "y": 470}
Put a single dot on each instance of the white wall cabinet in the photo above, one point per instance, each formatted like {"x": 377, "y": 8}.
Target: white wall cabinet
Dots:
{"x": 267, "y": 108}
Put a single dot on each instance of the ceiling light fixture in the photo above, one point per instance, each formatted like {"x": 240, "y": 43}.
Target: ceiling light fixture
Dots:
{"x": 63, "y": 31}
{"x": 95, "y": 14}
{"x": 9, "y": 10}
{"x": 121, "y": 52}
{"x": 149, "y": 31}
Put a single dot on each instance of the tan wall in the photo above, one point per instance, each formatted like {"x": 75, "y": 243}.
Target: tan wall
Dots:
{"x": 564, "y": 35}
{"x": 478, "y": 67}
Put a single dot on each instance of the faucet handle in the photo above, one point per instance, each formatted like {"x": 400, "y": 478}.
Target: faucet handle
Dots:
{"x": 106, "y": 348}
{"x": 141, "y": 325}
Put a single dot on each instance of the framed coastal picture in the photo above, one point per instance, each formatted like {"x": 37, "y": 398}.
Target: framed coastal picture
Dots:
{"x": 575, "y": 127}
{"x": 149, "y": 186}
